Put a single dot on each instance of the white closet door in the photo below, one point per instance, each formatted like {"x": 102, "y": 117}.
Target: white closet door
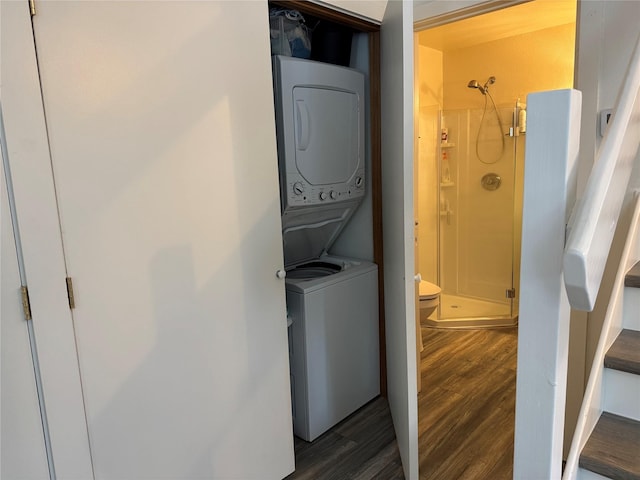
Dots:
{"x": 42, "y": 255}
{"x": 161, "y": 126}
{"x": 396, "y": 41}
{"x": 22, "y": 440}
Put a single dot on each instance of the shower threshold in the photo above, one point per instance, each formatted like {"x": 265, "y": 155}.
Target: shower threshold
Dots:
{"x": 458, "y": 311}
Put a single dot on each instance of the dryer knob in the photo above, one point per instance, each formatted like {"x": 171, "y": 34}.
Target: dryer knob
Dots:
{"x": 298, "y": 188}
{"x": 323, "y": 195}
{"x": 359, "y": 182}
{"x": 333, "y": 195}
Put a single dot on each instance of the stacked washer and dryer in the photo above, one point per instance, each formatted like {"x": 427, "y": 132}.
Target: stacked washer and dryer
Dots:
{"x": 332, "y": 301}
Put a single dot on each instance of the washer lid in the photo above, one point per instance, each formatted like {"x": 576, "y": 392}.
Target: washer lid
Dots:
{"x": 428, "y": 289}
{"x": 309, "y": 232}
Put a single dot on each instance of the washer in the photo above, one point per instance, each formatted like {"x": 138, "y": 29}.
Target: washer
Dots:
{"x": 333, "y": 341}
{"x": 332, "y": 302}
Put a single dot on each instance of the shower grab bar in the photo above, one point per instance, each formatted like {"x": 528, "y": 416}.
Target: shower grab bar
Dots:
{"x": 593, "y": 221}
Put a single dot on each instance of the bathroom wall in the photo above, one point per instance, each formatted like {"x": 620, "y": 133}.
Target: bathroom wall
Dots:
{"x": 430, "y": 98}
{"x": 535, "y": 61}
{"x": 532, "y": 62}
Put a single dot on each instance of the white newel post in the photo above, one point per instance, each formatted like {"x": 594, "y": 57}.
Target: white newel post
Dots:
{"x": 543, "y": 339}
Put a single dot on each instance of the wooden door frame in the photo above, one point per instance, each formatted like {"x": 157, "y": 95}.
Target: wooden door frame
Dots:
{"x": 373, "y": 30}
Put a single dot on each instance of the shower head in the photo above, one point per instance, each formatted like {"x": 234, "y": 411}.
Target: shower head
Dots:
{"x": 483, "y": 89}
{"x": 475, "y": 84}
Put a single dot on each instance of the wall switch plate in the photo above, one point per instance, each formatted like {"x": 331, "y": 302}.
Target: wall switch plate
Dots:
{"x": 605, "y": 117}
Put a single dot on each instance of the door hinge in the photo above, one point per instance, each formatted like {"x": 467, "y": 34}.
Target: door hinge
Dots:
{"x": 26, "y": 305}
{"x": 32, "y": 7}
{"x": 511, "y": 292}
{"x": 72, "y": 301}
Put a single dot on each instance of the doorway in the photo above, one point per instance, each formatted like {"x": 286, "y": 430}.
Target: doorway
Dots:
{"x": 473, "y": 77}
{"x": 470, "y": 152}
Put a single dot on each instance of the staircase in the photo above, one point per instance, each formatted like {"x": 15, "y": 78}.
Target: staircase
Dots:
{"x": 613, "y": 448}
{"x": 606, "y": 441}
{"x": 562, "y": 268}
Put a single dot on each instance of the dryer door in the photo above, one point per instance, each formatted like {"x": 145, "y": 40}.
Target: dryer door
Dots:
{"x": 326, "y": 134}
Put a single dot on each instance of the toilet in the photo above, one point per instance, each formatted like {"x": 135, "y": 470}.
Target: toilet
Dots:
{"x": 429, "y": 299}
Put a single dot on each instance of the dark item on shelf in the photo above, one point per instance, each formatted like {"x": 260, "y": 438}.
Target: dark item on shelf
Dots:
{"x": 332, "y": 44}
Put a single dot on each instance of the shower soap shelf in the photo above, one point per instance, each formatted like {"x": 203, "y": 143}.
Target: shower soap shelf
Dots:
{"x": 447, "y": 145}
{"x": 447, "y": 184}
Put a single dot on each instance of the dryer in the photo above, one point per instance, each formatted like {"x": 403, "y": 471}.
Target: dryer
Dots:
{"x": 320, "y": 121}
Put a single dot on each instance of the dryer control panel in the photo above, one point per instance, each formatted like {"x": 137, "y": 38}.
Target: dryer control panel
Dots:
{"x": 302, "y": 193}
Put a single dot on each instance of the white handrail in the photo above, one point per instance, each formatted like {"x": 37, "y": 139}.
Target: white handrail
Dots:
{"x": 611, "y": 327}
{"x": 595, "y": 217}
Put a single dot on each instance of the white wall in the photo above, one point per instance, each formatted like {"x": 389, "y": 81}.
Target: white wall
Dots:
{"x": 607, "y": 33}
{"x": 356, "y": 240}
{"x": 372, "y": 10}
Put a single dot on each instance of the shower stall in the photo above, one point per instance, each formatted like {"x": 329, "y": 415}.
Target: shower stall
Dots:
{"x": 479, "y": 159}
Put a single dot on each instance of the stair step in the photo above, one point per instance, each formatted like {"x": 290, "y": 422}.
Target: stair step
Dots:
{"x": 613, "y": 449}
{"x": 624, "y": 354}
{"x": 632, "y": 279}
{"x": 588, "y": 475}
{"x": 621, "y": 393}
{"x": 631, "y": 308}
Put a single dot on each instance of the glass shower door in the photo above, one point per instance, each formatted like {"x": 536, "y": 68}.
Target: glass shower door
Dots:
{"x": 477, "y": 197}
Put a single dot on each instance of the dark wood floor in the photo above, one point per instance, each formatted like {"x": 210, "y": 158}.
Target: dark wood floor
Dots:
{"x": 362, "y": 447}
{"x": 467, "y": 404}
{"x": 466, "y": 417}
